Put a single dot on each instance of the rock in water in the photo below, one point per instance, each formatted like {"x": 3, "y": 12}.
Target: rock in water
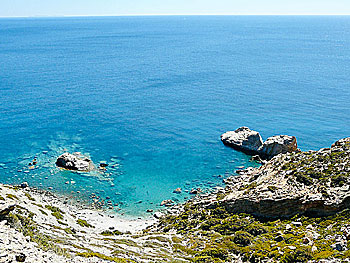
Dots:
{"x": 74, "y": 162}
{"x": 243, "y": 139}
{"x": 278, "y": 144}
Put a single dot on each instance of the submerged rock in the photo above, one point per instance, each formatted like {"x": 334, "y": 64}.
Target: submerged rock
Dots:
{"x": 75, "y": 162}
{"x": 177, "y": 190}
{"x": 243, "y": 139}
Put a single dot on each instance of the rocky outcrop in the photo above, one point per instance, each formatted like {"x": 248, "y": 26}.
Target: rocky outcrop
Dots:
{"x": 278, "y": 144}
{"x": 75, "y": 162}
{"x": 250, "y": 142}
{"x": 243, "y": 139}
{"x": 313, "y": 183}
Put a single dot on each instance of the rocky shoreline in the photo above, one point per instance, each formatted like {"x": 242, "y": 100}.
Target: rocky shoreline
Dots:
{"x": 44, "y": 227}
{"x": 293, "y": 208}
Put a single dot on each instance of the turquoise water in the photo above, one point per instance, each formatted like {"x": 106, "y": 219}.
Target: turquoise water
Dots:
{"x": 152, "y": 95}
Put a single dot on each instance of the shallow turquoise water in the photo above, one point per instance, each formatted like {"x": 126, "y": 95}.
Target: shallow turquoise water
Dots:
{"x": 152, "y": 95}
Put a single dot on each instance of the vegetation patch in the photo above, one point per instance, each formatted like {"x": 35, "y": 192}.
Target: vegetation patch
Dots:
{"x": 216, "y": 235}
{"x": 11, "y": 196}
{"x": 29, "y": 196}
{"x": 43, "y": 212}
{"x": 55, "y": 211}
{"x": 111, "y": 233}
{"x": 104, "y": 257}
{"x": 23, "y": 222}
{"x": 84, "y": 223}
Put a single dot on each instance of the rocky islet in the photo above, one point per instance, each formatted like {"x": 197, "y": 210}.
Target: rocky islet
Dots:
{"x": 250, "y": 142}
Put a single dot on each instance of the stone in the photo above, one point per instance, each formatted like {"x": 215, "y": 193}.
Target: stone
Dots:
{"x": 177, "y": 190}
{"x": 149, "y": 210}
{"x": 24, "y": 185}
{"x": 243, "y": 139}
{"x": 5, "y": 210}
{"x": 288, "y": 227}
{"x": 74, "y": 162}
{"x": 103, "y": 164}
{"x": 157, "y": 215}
{"x": 339, "y": 246}
{"x": 279, "y": 238}
{"x": 166, "y": 202}
{"x": 257, "y": 158}
{"x": 306, "y": 240}
{"x": 278, "y": 144}
{"x": 297, "y": 224}
{"x": 195, "y": 191}
{"x": 20, "y": 257}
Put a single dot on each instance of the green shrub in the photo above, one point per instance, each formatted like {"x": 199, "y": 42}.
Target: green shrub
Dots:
{"x": 242, "y": 238}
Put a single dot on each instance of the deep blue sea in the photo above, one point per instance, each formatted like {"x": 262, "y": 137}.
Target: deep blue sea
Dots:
{"x": 152, "y": 95}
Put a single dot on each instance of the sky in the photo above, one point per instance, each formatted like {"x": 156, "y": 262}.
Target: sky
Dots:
{"x": 11, "y": 8}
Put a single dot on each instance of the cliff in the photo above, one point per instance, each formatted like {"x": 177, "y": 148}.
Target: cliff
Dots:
{"x": 294, "y": 208}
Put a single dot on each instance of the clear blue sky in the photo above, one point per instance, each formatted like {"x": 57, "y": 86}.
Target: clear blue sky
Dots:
{"x": 144, "y": 7}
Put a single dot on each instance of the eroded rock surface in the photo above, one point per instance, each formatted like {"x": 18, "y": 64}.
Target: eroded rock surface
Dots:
{"x": 278, "y": 144}
{"x": 75, "y": 162}
{"x": 315, "y": 183}
{"x": 250, "y": 142}
{"x": 243, "y": 139}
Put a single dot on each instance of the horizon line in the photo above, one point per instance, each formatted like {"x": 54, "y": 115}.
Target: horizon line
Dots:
{"x": 140, "y": 15}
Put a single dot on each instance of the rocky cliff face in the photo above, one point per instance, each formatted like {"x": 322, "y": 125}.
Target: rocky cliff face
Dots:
{"x": 315, "y": 183}
{"x": 294, "y": 208}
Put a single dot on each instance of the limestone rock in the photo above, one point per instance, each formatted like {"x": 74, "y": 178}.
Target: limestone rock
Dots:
{"x": 278, "y": 144}
{"x": 250, "y": 142}
{"x": 243, "y": 139}
{"x": 74, "y": 162}
{"x": 312, "y": 183}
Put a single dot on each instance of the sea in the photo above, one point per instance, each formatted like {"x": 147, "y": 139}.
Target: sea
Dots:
{"x": 151, "y": 95}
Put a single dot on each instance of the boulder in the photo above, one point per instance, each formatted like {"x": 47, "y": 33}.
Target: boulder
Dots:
{"x": 243, "y": 139}
{"x": 5, "y": 210}
{"x": 177, "y": 190}
{"x": 278, "y": 144}
{"x": 24, "y": 185}
{"x": 74, "y": 162}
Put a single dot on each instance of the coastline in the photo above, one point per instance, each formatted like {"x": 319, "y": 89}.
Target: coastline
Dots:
{"x": 293, "y": 208}
{"x": 47, "y": 227}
